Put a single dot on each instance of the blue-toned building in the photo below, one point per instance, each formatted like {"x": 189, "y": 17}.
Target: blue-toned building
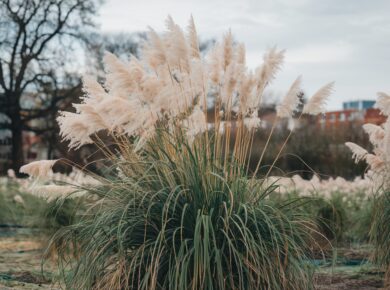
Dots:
{"x": 358, "y": 105}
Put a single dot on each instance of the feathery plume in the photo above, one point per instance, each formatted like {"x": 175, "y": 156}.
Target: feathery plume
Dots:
{"x": 94, "y": 92}
{"x": 11, "y": 173}
{"x": 375, "y": 133}
{"x": 229, "y": 84}
{"x": 290, "y": 101}
{"x": 118, "y": 77}
{"x": 215, "y": 64}
{"x": 196, "y": 123}
{"x": 358, "y": 152}
{"x": 176, "y": 44}
{"x": 316, "y": 104}
{"x": 386, "y": 140}
{"x": 252, "y": 122}
{"x": 166, "y": 82}
{"x": 193, "y": 39}
{"x": 38, "y": 169}
{"x": 227, "y": 46}
{"x": 199, "y": 81}
{"x": 75, "y": 128}
{"x": 245, "y": 93}
{"x": 51, "y": 192}
{"x": 241, "y": 55}
{"x": 273, "y": 61}
{"x": 90, "y": 113}
{"x": 150, "y": 87}
{"x": 374, "y": 161}
{"x": 154, "y": 51}
{"x": 383, "y": 103}
{"x": 18, "y": 199}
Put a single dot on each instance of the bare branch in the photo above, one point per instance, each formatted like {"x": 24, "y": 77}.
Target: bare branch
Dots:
{"x": 2, "y": 80}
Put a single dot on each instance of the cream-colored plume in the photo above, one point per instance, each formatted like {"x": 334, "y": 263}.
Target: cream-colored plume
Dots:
{"x": 172, "y": 79}
{"x": 379, "y": 159}
{"x": 383, "y": 103}
{"x": 316, "y": 104}
{"x": 375, "y": 133}
{"x": 252, "y": 122}
{"x": 358, "y": 152}
{"x": 39, "y": 169}
{"x": 290, "y": 101}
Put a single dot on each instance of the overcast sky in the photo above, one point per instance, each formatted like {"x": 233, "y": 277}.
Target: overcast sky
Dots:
{"x": 330, "y": 40}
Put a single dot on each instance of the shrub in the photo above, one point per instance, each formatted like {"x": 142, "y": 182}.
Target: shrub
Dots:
{"x": 180, "y": 207}
{"x": 179, "y": 221}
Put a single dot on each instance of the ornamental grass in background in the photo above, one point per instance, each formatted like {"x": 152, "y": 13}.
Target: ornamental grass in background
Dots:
{"x": 179, "y": 207}
{"x": 379, "y": 172}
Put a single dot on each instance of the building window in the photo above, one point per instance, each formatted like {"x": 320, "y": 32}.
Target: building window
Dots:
{"x": 342, "y": 117}
{"x": 332, "y": 117}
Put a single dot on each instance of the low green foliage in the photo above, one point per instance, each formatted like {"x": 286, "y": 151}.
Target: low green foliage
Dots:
{"x": 60, "y": 213}
{"x": 380, "y": 231}
{"x": 341, "y": 217}
{"x": 344, "y": 218}
{"x": 30, "y": 211}
{"x": 23, "y": 211}
{"x": 176, "y": 219}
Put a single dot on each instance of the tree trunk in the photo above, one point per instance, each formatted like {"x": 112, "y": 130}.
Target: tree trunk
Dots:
{"x": 17, "y": 148}
{"x": 17, "y": 135}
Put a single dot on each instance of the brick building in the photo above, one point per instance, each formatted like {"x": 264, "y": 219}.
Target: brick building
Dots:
{"x": 354, "y": 112}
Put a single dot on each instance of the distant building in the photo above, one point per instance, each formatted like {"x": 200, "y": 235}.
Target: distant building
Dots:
{"x": 374, "y": 116}
{"x": 358, "y": 105}
{"x": 354, "y": 112}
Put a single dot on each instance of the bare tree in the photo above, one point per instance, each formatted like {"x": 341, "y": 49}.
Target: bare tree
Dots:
{"x": 123, "y": 45}
{"x": 36, "y": 36}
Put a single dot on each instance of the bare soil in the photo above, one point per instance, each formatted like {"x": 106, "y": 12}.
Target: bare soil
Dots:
{"x": 337, "y": 281}
{"x": 20, "y": 264}
{"x": 21, "y": 257}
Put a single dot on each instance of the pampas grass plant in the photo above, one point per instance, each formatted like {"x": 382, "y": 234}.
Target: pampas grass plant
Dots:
{"x": 379, "y": 167}
{"x": 177, "y": 221}
{"x": 179, "y": 207}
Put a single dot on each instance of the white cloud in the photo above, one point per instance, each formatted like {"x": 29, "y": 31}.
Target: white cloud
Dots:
{"x": 339, "y": 52}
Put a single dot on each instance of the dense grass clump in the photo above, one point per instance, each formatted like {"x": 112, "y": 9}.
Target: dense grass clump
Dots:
{"x": 59, "y": 213}
{"x": 182, "y": 207}
{"x": 176, "y": 219}
{"x": 380, "y": 231}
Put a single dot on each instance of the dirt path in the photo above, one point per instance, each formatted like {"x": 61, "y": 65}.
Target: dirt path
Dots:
{"x": 348, "y": 282}
{"x": 20, "y": 264}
